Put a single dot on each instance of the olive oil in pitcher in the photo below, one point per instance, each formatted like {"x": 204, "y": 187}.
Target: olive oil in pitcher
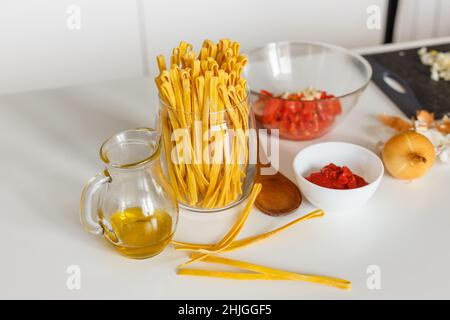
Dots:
{"x": 137, "y": 235}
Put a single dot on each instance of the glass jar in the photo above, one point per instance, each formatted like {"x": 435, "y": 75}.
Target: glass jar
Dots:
{"x": 131, "y": 203}
{"x": 209, "y": 157}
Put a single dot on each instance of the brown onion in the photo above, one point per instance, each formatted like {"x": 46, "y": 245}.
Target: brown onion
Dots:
{"x": 408, "y": 155}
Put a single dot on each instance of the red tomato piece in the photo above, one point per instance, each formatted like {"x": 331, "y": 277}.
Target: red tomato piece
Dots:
{"x": 271, "y": 109}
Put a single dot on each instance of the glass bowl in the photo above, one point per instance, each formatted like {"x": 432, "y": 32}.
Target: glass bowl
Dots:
{"x": 294, "y": 66}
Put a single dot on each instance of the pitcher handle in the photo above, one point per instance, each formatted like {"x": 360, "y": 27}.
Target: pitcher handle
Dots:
{"x": 88, "y": 207}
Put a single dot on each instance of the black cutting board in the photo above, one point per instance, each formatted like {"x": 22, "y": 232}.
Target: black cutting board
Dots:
{"x": 433, "y": 96}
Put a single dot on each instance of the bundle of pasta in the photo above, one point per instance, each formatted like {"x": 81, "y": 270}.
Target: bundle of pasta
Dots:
{"x": 204, "y": 119}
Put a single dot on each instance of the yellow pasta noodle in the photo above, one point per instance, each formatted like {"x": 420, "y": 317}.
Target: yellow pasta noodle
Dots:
{"x": 271, "y": 273}
{"x": 238, "y": 244}
{"x": 228, "y": 275}
{"x": 234, "y": 231}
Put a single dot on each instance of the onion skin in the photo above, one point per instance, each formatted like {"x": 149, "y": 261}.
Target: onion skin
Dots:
{"x": 408, "y": 155}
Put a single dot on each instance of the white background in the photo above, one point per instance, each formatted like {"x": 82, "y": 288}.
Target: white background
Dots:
{"x": 120, "y": 38}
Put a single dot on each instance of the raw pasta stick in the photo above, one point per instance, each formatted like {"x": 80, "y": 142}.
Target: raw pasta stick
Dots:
{"x": 237, "y": 171}
{"x": 242, "y": 149}
{"x": 207, "y": 44}
{"x": 223, "y": 66}
{"x": 213, "y": 52}
{"x": 169, "y": 98}
{"x": 223, "y": 185}
{"x": 203, "y": 54}
{"x": 174, "y": 76}
{"x": 187, "y": 99}
{"x": 244, "y": 276}
{"x": 188, "y": 59}
{"x": 191, "y": 179}
{"x": 243, "y": 85}
{"x": 195, "y": 177}
{"x": 161, "y": 63}
{"x": 324, "y": 280}
{"x": 236, "y": 46}
{"x": 234, "y": 116}
{"x": 174, "y": 171}
{"x": 223, "y": 44}
{"x": 180, "y": 111}
{"x": 215, "y": 69}
{"x": 212, "y": 64}
{"x": 242, "y": 60}
{"x": 228, "y": 56}
{"x": 240, "y": 105}
{"x": 179, "y": 168}
{"x": 216, "y": 165}
{"x": 238, "y": 70}
{"x": 242, "y": 109}
{"x": 227, "y": 170}
{"x": 200, "y": 86}
{"x": 174, "y": 57}
{"x": 164, "y": 77}
{"x": 198, "y": 176}
{"x": 209, "y": 202}
{"x": 217, "y": 135}
{"x": 221, "y": 75}
{"x": 182, "y": 48}
{"x": 195, "y": 69}
{"x": 231, "y": 63}
{"x": 192, "y": 187}
{"x": 227, "y": 275}
{"x": 170, "y": 167}
{"x": 211, "y": 48}
{"x": 194, "y": 157}
{"x": 219, "y": 58}
{"x": 167, "y": 93}
{"x": 205, "y": 125}
{"x": 197, "y": 145}
{"x": 204, "y": 66}
{"x": 236, "y": 189}
{"x": 234, "y": 231}
{"x": 174, "y": 124}
{"x": 238, "y": 244}
{"x": 240, "y": 92}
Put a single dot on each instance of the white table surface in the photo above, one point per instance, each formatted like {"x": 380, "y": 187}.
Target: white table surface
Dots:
{"x": 49, "y": 148}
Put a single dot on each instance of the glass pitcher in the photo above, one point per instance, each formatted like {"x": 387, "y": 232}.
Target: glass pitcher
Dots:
{"x": 130, "y": 202}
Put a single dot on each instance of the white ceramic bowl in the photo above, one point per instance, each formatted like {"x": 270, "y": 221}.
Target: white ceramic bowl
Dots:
{"x": 361, "y": 161}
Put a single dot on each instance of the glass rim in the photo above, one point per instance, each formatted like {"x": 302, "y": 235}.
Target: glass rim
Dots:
{"x": 154, "y": 155}
{"x": 351, "y": 53}
{"x": 234, "y": 105}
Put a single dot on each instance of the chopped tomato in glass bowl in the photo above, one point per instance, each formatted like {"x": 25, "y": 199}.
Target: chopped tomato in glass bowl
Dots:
{"x": 297, "y": 117}
{"x": 340, "y": 76}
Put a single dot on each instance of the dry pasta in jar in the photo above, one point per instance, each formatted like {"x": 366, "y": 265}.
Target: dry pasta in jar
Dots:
{"x": 206, "y": 123}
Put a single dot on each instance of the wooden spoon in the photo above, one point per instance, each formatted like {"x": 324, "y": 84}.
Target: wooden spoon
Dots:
{"x": 279, "y": 196}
